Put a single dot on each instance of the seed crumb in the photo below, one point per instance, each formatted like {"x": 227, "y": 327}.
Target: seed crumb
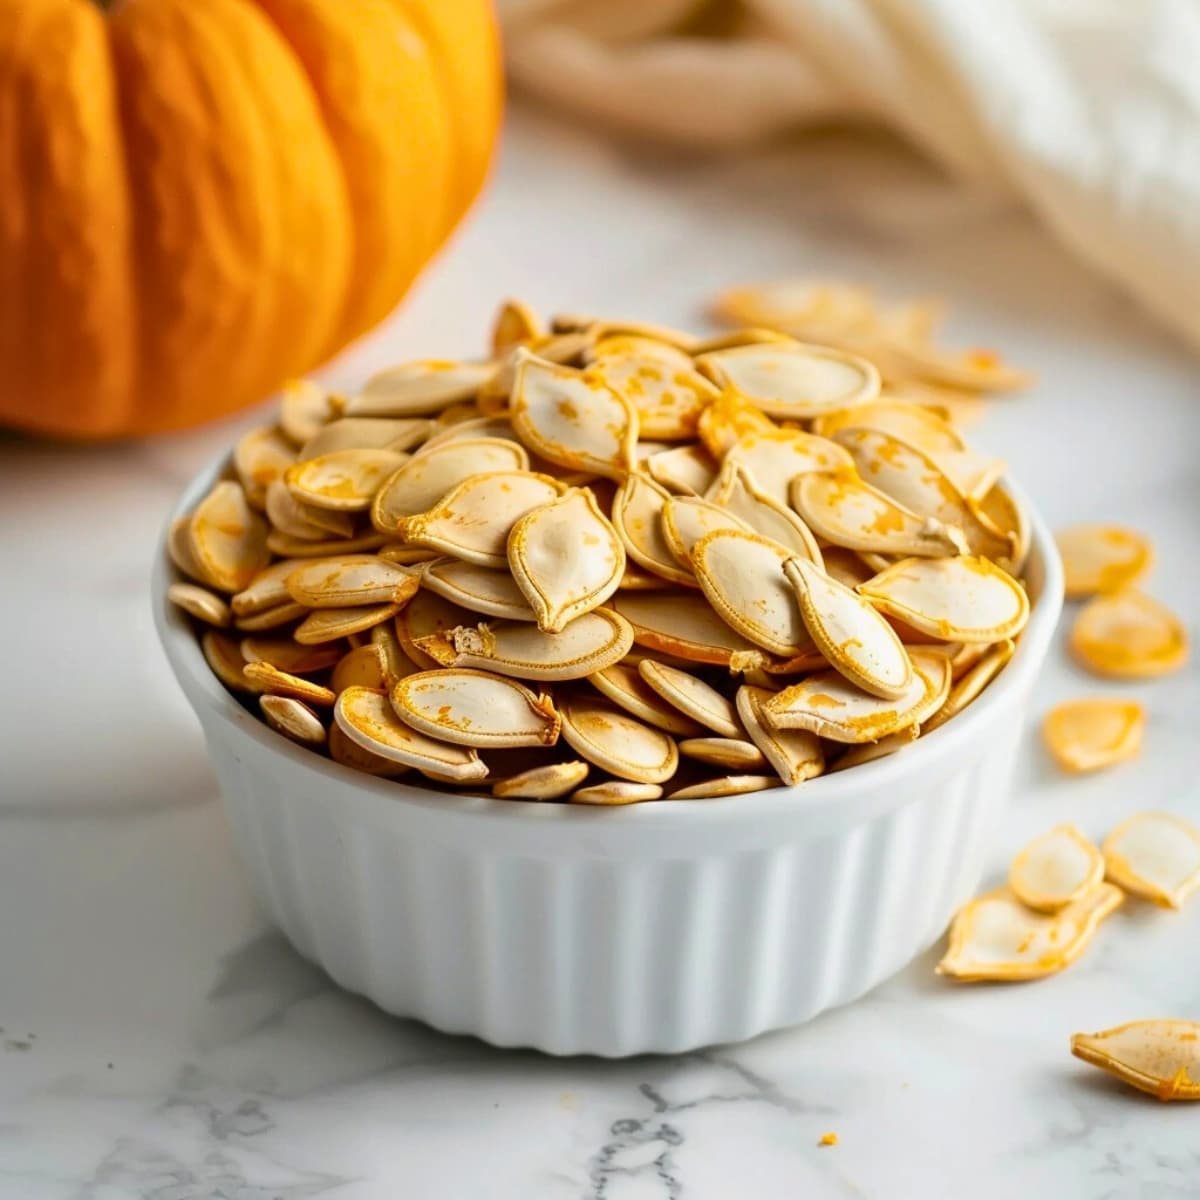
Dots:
{"x": 828, "y": 1139}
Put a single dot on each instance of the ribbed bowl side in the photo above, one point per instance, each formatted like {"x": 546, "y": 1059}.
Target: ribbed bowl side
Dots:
{"x": 604, "y": 956}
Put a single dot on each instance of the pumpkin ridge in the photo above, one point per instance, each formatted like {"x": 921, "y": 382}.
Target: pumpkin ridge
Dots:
{"x": 62, "y": 224}
{"x": 242, "y": 221}
{"x": 449, "y": 48}
{"x": 365, "y": 88}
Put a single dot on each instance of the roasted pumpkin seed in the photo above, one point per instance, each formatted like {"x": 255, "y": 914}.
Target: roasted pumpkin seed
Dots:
{"x": 1094, "y": 732}
{"x": 1158, "y": 1057}
{"x": 1128, "y": 635}
{"x": 368, "y": 720}
{"x": 1155, "y": 855}
{"x": 996, "y": 937}
{"x": 292, "y": 718}
{"x": 551, "y": 782}
{"x": 616, "y": 742}
{"x": 1056, "y": 869}
{"x": 200, "y": 603}
{"x": 566, "y": 558}
{"x": 475, "y": 708}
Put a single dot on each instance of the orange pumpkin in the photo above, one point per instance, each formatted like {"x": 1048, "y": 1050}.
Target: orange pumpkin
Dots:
{"x": 202, "y": 198}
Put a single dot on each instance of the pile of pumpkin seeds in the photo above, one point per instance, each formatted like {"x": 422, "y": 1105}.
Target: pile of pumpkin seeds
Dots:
{"x": 613, "y": 562}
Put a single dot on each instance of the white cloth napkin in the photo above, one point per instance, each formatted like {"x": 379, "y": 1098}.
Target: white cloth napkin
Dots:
{"x": 1087, "y": 109}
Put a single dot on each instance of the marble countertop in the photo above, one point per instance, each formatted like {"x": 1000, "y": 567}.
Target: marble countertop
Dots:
{"x": 160, "y": 1041}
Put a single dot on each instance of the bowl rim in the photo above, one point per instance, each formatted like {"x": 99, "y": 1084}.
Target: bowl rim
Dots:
{"x": 849, "y": 797}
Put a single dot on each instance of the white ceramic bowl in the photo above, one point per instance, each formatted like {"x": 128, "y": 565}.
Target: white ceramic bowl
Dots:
{"x": 655, "y": 927}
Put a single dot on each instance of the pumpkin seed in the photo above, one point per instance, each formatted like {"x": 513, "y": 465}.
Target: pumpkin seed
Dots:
{"x": 614, "y": 741}
{"x": 692, "y": 697}
{"x": 395, "y": 661}
{"x": 840, "y": 507}
{"x": 179, "y": 547}
{"x": 472, "y": 430}
{"x": 828, "y": 705}
{"x": 566, "y": 558}
{"x": 477, "y": 589}
{"x": 909, "y": 422}
{"x": 683, "y": 626}
{"x": 638, "y": 515}
{"x": 287, "y": 515}
{"x": 566, "y": 348}
{"x": 1128, "y": 635}
{"x": 849, "y": 632}
{"x": 625, "y": 687}
{"x": 971, "y": 475}
{"x": 294, "y": 547}
{"x": 200, "y": 603}
{"x": 288, "y": 655}
{"x": 794, "y": 754}
{"x": 350, "y": 754}
{"x": 687, "y": 519}
{"x": 293, "y": 719}
{"x": 1158, "y": 1057}
{"x": 363, "y": 666}
{"x": 304, "y": 407}
{"x": 327, "y": 624}
{"x": 418, "y": 389}
{"x": 1056, "y": 869}
{"x": 974, "y": 370}
{"x": 727, "y": 420}
{"x": 793, "y": 380}
{"x": 1155, "y": 855}
{"x": 407, "y": 556}
{"x": 350, "y": 580}
{"x": 265, "y": 591}
{"x": 345, "y": 480}
{"x": 551, "y": 782}
{"x": 516, "y": 323}
{"x": 966, "y": 599}
{"x": 687, "y": 470}
{"x": 742, "y": 576}
{"x": 424, "y": 616}
{"x": 915, "y": 481}
{"x": 227, "y": 538}
{"x": 603, "y": 330}
{"x": 224, "y": 658}
{"x": 773, "y": 459}
{"x": 726, "y": 785}
{"x": 736, "y": 493}
{"x": 616, "y": 792}
{"x": 731, "y": 754}
{"x": 865, "y": 752}
{"x": 573, "y": 418}
{"x": 367, "y": 433}
{"x": 271, "y": 618}
{"x": 1006, "y": 521}
{"x": 474, "y": 708}
{"x": 590, "y": 643}
{"x": 663, "y": 389}
{"x": 368, "y": 719}
{"x": 1102, "y": 558}
{"x": 969, "y": 685}
{"x": 426, "y": 477}
{"x": 1093, "y": 733}
{"x": 997, "y": 938}
{"x": 265, "y": 678}
{"x": 260, "y": 457}
{"x": 473, "y": 520}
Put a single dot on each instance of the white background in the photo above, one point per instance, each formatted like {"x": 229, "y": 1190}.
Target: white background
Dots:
{"x": 159, "y": 1041}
